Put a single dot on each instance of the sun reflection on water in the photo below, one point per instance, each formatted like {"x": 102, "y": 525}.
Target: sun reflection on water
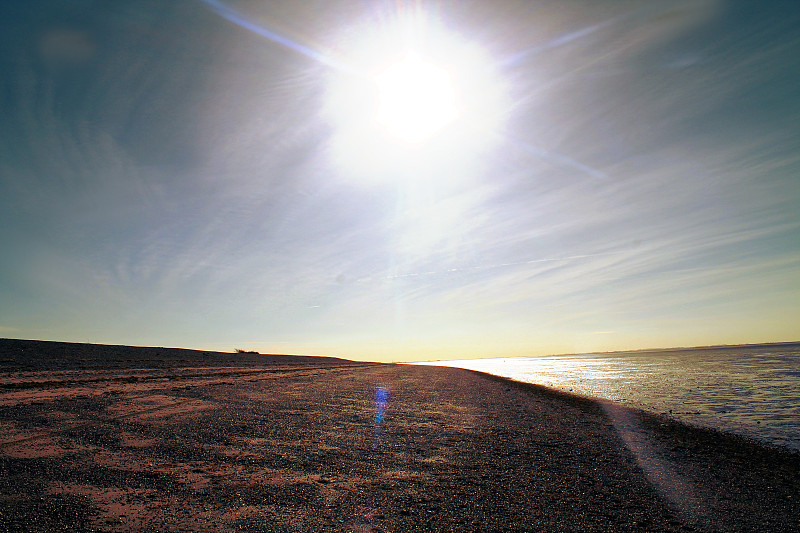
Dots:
{"x": 751, "y": 391}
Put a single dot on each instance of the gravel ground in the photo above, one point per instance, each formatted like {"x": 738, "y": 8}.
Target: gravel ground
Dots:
{"x": 282, "y": 447}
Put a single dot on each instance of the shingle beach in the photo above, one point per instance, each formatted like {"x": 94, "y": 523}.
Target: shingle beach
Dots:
{"x": 108, "y": 438}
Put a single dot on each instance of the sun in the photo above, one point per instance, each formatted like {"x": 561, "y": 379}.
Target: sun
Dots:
{"x": 415, "y": 98}
{"x": 412, "y": 100}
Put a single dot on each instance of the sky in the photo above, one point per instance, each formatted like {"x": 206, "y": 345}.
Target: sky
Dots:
{"x": 188, "y": 173}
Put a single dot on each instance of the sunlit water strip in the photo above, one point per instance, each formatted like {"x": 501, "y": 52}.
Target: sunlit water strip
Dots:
{"x": 749, "y": 390}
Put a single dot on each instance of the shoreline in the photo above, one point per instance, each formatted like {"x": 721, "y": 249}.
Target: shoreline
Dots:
{"x": 654, "y": 418}
{"x": 295, "y": 447}
{"x": 735, "y": 390}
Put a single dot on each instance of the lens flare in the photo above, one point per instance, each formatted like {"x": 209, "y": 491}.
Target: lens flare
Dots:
{"x": 382, "y": 395}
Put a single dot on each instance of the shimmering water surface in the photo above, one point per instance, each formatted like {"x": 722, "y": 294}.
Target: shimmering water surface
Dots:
{"x": 749, "y": 390}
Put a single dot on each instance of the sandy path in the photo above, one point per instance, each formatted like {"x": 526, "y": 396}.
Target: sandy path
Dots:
{"x": 296, "y": 449}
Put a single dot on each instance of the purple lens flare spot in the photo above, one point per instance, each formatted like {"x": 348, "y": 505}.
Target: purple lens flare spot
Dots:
{"x": 382, "y": 395}
{"x": 381, "y": 401}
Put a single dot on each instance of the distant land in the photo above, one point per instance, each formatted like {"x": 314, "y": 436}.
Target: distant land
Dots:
{"x": 712, "y": 347}
{"x": 781, "y": 344}
{"x": 30, "y": 354}
{"x": 22, "y": 354}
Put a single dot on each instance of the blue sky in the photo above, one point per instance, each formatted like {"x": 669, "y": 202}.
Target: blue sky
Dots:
{"x": 167, "y": 178}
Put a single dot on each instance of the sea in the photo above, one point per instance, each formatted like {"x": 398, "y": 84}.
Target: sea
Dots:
{"x": 750, "y": 390}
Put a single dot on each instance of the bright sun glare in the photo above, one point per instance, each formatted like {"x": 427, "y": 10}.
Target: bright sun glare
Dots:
{"x": 415, "y": 101}
{"x": 416, "y": 98}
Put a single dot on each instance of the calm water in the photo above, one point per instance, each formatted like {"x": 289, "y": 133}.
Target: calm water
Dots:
{"x": 749, "y": 390}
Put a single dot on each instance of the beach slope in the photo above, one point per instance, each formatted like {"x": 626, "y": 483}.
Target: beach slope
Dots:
{"x": 303, "y": 445}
